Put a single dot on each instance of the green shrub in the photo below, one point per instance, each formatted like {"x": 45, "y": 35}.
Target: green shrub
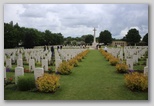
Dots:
{"x": 25, "y": 63}
{"x": 136, "y": 81}
{"x": 12, "y": 70}
{"x": 114, "y": 61}
{"x": 121, "y": 68}
{"x": 48, "y": 83}
{"x": 64, "y": 68}
{"x": 50, "y": 70}
{"x": 25, "y": 83}
{"x": 73, "y": 62}
{"x": 108, "y": 56}
{"x": 78, "y": 58}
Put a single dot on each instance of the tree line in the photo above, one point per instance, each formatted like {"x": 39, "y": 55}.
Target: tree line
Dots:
{"x": 16, "y": 36}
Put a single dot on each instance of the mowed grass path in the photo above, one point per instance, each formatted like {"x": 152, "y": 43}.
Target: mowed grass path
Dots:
{"x": 93, "y": 79}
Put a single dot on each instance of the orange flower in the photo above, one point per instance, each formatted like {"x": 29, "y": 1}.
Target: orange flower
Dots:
{"x": 10, "y": 79}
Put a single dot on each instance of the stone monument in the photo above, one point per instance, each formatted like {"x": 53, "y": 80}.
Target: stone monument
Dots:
{"x": 94, "y": 44}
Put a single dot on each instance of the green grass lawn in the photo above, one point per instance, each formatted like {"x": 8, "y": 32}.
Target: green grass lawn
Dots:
{"x": 93, "y": 79}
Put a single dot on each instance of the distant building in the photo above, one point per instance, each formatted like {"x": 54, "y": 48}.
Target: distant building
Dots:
{"x": 119, "y": 43}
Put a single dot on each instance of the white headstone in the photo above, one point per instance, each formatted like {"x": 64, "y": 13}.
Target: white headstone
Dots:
{"x": 147, "y": 62}
{"x": 8, "y": 63}
{"x": 129, "y": 62}
{"x": 18, "y": 72}
{"x": 20, "y": 56}
{"x": 135, "y": 58}
{"x": 146, "y": 70}
{"x": 57, "y": 63}
{"x": 45, "y": 64}
{"x": 38, "y": 58}
{"x": 19, "y": 63}
{"x": 38, "y": 72}
{"x": 31, "y": 64}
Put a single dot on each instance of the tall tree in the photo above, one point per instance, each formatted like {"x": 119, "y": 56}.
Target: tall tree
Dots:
{"x": 145, "y": 39}
{"x": 29, "y": 40}
{"x": 105, "y": 37}
{"x": 67, "y": 41}
{"x": 89, "y": 39}
{"x": 48, "y": 37}
{"x": 11, "y": 38}
{"x": 15, "y": 36}
{"x": 133, "y": 36}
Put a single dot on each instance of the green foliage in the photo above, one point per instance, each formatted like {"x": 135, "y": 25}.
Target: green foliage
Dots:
{"x": 73, "y": 62}
{"x": 12, "y": 70}
{"x": 136, "y": 81}
{"x": 114, "y": 61}
{"x": 105, "y": 37}
{"x": 11, "y": 36}
{"x": 8, "y": 81}
{"x": 26, "y": 83}
{"x": 15, "y": 36}
{"x": 89, "y": 39}
{"x": 29, "y": 38}
{"x": 145, "y": 39}
{"x": 121, "y": 68}
{"x": 50, "y": 70}
{"x": 133, "y": 36}
{"x": 48, "y": 83}
{"x": 94, "y": 79}
{"x": 64, "y": 68}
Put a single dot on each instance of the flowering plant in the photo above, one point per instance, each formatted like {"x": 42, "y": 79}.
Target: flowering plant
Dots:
{"x": 49, "y": 70}
{"x": 114, "y": 61}
{"x": 73, "y": 62}
{"x": 64, "y": 68}
{"x": 136, "y": 81}
{"x": 48, "y": 83}
{"x": 122, "y": 68}
{"x": 8, "y": 81}
{"x": 26, "y": 70}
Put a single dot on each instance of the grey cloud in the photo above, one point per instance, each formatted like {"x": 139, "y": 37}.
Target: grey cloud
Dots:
{"x": 33, "y": 11}
{"x": 78, "y": 19}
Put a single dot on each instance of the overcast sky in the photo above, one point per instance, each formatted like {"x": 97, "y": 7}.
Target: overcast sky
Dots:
{"x": 80, "y": 19}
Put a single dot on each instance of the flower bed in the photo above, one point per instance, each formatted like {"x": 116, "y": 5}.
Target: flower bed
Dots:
{"x": 136, "y": 81}
{"x": 48, "y": 83}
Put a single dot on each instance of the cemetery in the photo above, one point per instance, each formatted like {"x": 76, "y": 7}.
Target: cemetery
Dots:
{"x": 76, "y": 73}
{"x": 76, "y": 52}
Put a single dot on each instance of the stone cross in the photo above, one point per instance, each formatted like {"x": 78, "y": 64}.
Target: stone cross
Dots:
{"x": 94, "y": 35}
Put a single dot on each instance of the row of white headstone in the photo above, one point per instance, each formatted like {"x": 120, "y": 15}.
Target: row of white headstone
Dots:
{"x": 31, "y": 64}
{"x": 131, "y": 54}
{"x": 19, "y": 71}
{"x": 38, "y": 55}
{"x": 65, "y": 55}
{"x": 59, "y": 56}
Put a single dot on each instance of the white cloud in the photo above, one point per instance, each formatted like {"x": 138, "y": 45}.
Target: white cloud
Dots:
{"x": 12, "y": 12}
{"x": 124, "y": 32}
{"x": 79, "y": 19}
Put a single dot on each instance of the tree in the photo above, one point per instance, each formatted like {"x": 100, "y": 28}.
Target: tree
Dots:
{"x": 74, "y": 42}
{"x": 11, "y": 36}
{"x": 133, "y": 37}
{"x": 48, "y": 37}
{"x": 89, "y": 39}
{"x": 15, "y": 36}
{"x": 29, "y": 40}
{"x": 105, "y": 37}
{"x": 145, "y": 39}
{"x": 67, "y": 41}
